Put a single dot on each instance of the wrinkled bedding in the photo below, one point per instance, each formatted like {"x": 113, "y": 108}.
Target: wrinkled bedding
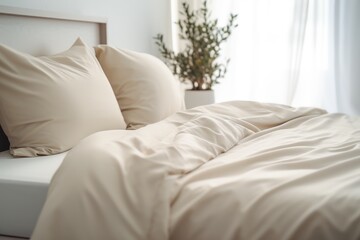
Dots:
{"x": 236, "y": 170}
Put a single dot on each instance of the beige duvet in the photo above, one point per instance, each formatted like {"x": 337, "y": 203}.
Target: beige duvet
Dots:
{"x": 238, "y": 170}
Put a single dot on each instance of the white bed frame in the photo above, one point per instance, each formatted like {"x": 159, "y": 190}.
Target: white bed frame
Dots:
{"x": 43, "y": 33}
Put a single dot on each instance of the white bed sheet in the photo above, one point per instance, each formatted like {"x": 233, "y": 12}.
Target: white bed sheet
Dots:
{"x": 23, "y": 187}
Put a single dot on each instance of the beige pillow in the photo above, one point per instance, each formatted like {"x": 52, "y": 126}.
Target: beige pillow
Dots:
{"x": 48, "y": 104}
{"x": 145, "y": 88}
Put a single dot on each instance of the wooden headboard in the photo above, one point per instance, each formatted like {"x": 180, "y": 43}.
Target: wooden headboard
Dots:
{"x": 46, "y": 33}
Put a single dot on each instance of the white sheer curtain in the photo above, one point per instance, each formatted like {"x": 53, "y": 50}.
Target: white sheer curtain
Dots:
{"x": 296, "y": 52}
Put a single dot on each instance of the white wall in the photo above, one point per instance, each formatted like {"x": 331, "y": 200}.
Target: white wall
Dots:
{"x": 131, "y": 24}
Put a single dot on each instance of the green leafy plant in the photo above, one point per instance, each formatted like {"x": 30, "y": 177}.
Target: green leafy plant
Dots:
{"x": 199, "y": 61}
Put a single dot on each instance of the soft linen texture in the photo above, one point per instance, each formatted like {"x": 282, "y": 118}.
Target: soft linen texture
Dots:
{"x": 48, "y": 104}
{"x": 229, "y": 171}
{"x": 145, "y": 89}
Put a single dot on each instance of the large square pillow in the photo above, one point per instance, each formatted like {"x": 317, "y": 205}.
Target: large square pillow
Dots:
{"x": 48, "y": 104}
{"x": 145, "y": 88}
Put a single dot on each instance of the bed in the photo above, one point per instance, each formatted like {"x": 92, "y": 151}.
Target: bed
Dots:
{"x": 233, "y": 170}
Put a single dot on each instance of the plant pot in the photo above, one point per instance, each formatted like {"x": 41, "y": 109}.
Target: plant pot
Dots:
{"x": 194, "y": 98}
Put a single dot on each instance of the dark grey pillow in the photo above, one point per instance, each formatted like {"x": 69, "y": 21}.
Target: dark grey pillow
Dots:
{"x": 4, "y": 142}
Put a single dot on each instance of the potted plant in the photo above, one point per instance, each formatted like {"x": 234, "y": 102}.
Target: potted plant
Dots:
{"x": 198, "y": 63}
